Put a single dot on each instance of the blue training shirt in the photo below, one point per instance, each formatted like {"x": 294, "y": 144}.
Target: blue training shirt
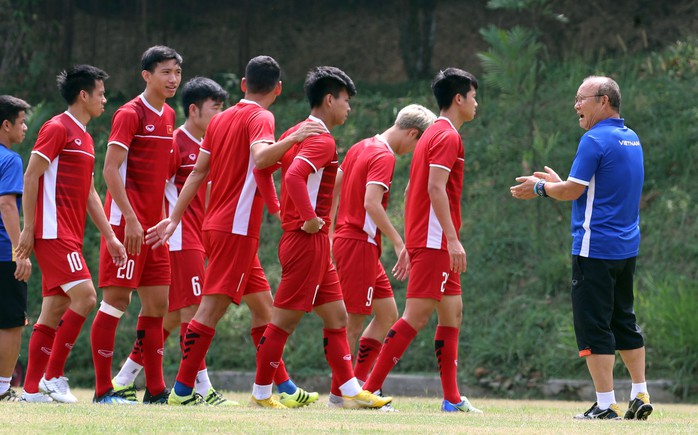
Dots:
{"x": 606, "y": 218}
{"x": 11, "y": 182}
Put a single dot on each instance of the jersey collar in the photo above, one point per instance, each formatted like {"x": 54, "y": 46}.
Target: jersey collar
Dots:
{"x": 147, "y": 104}
{"x": 197, "y": 141}
{"x": 316, "y": 119}
{"x": 246, "y": 101}
{"x": 380, "y": 138}
{"x": 449, "y": 121}
{"x": 70, "y": 115}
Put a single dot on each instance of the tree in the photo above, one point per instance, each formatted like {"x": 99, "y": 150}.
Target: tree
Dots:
{"x": 417, "y": 31}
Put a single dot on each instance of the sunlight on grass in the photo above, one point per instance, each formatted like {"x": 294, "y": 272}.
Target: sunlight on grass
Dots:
{"x": 417, "y": 415}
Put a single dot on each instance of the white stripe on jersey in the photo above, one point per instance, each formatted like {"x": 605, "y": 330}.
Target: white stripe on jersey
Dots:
{"x": 314, "y": 181}
{"x": 115, "y": 213}
{"x": 591, "y": 193}
{"x": 49, "y": 222}
{"x": 434, "y": 231}
{"x": 175, "y": 240}
{"x": 370, "y": 229}
{"x": 243, "y": 209}
{"x": 79, "y": 151}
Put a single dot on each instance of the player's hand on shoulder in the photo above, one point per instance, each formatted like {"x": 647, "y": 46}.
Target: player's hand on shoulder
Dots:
{"x": 159, "y": 234}
{"x": 23, "y": 269}
{"x": 308, "y": 129}
{"x": 313, "y": 225}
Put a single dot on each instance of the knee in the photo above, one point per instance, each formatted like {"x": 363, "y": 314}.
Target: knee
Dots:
{"x": 417, "y": 322}
{"x": 85, "y": 304}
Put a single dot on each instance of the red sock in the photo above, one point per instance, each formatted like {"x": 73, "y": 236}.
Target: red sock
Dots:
{"x": 396, "y": 342}
{"x": 366, "y": 356}
{"x": 150, "y": 338}
{"x": 446, "y": 348}
{"x": 102, "y": 337}
{"x": 337, "y": 354}
{"x": 182, "y": 333}
{"x": 197, "y": 340}
{"x": 269, "y": 351}
{"x": 40, "y": 345}
{"x": 281, "y": 374}
{"x": 66, "y": 334}
{"x": 136, "y": 354}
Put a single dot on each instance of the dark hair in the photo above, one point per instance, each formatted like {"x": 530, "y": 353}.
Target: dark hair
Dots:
{"x": 450, "y": 82}
{"x": 156, "y": 54}
{"x": 198, "y": 90}
{"x": 323, "y": 80}
{"x": 262, "y": 73}
{"x": 79, "y": 78}
{"x": 10, "y": 107}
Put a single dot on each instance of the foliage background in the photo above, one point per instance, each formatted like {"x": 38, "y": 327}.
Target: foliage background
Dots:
{"x": 517, "y": 329}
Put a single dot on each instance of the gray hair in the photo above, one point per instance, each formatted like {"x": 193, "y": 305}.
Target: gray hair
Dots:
{"x": 609, "y": 88}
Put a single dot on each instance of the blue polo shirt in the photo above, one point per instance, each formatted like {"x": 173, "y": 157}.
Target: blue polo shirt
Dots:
{"x": 11, "y": 182}
{"x": 606, "y": 218}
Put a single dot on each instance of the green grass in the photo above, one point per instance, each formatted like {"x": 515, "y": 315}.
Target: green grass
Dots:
{"x": 417, "y": 415}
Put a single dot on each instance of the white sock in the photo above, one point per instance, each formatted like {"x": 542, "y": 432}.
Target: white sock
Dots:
{"x": 127, "y": 374}
{"x": 350, "y": 388}
{"x": 605, "y": 400}
{"x": 203, "y": 383}
{"x": 4, "y": 384}
{"x": 261, "y": 392}
{"x": 637, "y": 389}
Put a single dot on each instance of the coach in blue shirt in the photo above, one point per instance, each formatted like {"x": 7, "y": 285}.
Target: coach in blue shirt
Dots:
{"x": 605, "y": 186}
{"x": 14, "y": 273}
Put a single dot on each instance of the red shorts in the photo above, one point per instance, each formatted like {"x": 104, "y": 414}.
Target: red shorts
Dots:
{"x": 150, "y": 268}
{"x": 361, "y": 274}
{"x": 233, "y": 268}
{"x": 308, "y": 277}
{"x": 187, "y": 278}
{"x": 430, "y": 275}
{"x": 61, "y": 262}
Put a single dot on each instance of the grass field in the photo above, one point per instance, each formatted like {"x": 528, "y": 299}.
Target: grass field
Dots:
{"x": 417, "y": 415}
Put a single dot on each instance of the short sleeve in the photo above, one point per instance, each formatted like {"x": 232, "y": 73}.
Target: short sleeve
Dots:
{"x": 444, "y": 152}
{"x": 318, "y": 151}
{"x": 124, "y": 127}
{"x": 261, "y": 127}
{"x": 51, "y": 141}
{"x": 11, "y": 179}
{"x": 380, "y": 170}
{"x": 586, "y": 162}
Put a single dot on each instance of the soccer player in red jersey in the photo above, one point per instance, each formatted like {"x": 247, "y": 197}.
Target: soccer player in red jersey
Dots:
{"x": 432, "y": 221}
{"x": 202, "y": 99}
{"x": 58, "y": 192}
{"x": 308, "y": 279}
{"x": 364, "y": 180}
{"x": 237, "y": 140}
{"x": 136, "y": 167}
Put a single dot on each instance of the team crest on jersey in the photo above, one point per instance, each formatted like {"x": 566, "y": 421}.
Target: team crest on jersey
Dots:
{"x": 169, "y": 129}
{"x": 150, "y": 128}
{"x": 192, "y": 156}
{"x": 78, "y": 142}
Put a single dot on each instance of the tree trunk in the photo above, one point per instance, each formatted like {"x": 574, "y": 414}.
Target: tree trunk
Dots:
{"x": 417, "y": 31}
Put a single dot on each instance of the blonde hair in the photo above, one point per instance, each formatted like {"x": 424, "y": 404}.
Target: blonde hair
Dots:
{"x": 415, "y": 116}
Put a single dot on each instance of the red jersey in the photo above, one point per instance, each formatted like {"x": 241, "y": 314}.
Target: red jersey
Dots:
{"x": 442, "y": 147}
{"x": 370, "y": 161}
{"x": 188, "y": 232}
{"x": 61, "y": 204}
{"x": 147, "y": 136}
{"x": 235, "y": 205}
{"x": 316, "y": 157}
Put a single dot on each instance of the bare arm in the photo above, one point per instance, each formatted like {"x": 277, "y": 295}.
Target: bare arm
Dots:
{"x": 96, "y": 212}
{"x": 265, "y": 154}
{"x": 554, "y": 186}
{"x": 133, "y": 233}
{"x": 436, "y": 189}
{"x": 10, "y": 218}
{"x": 35, "y": 169}
{"x": 374, "y": 207}
{"x": 159, "y": 234}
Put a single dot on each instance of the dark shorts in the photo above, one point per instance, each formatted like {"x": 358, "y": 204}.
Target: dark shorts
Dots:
{"x": 602, "y": 305}
{"x": 13, "y": 310}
